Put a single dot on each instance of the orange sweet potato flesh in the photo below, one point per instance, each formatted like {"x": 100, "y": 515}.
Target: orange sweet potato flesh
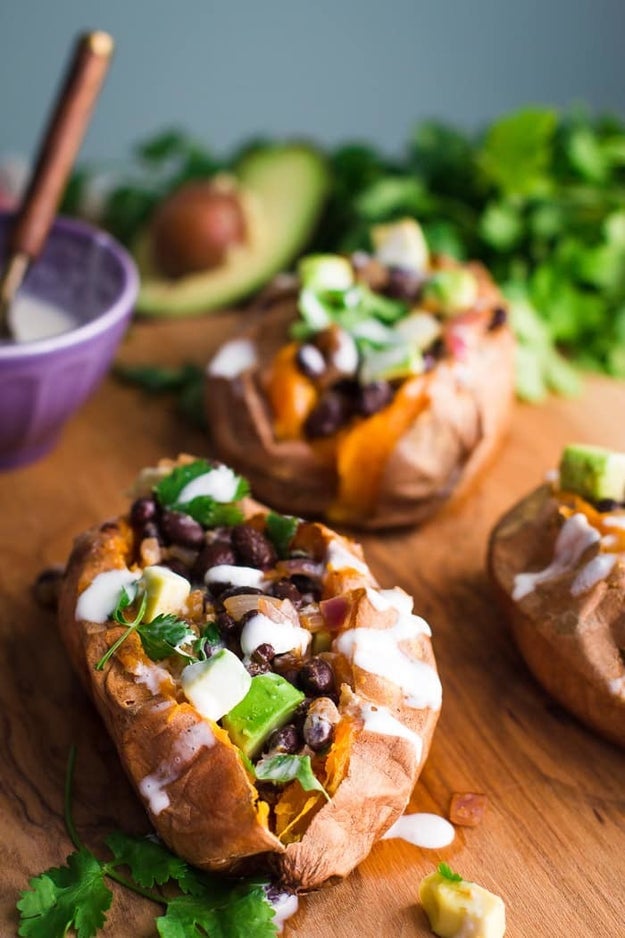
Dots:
{"x": 573, "y": 644}
{"x": 395, "y": 468}
{"x": 201, "y": 799}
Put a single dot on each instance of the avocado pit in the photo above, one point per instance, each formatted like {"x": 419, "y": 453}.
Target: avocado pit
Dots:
{"x": 196, "y": 226}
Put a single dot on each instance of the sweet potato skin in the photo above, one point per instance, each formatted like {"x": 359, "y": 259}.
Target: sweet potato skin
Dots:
{"x": 449, "y": 443}
{"x": 572, "y": 644}
{"x": 210, "y": 815}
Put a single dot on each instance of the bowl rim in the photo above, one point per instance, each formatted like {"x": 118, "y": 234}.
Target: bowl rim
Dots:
{"x": 122, "y": 307}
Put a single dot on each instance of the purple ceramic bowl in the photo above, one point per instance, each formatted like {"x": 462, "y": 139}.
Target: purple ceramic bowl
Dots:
{"x": 91, "y": 277}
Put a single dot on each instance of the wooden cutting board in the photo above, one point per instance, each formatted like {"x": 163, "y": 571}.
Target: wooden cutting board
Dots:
{"x": 552, "y": 840}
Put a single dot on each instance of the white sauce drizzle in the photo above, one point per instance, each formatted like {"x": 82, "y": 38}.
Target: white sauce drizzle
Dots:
{"x": 282, "y": 636}
{"x": 220, "y": 483}
{"x": 97, "y": 602}
{"x": 233, "y": 359}
{"x": 152, "y": 676}
{"x": 187, "y": 745}
{"x": 378, "y": 719}
{"x": 33, "y": 318}
{"x": 401, "y": 602}
{"x": 614, "y": 521}
{"x": 284, "y": 907}
{"x": 595, "y": 570}
{"x": 422, "y": 830}
{"x": 345, "y": 356}
{"x": 617, "y": 686}
{"x": 237, "y": 576}
{"x": 377, "y": 651}
{"x": 575, "y": 536}
{"x": 338, "y": 557}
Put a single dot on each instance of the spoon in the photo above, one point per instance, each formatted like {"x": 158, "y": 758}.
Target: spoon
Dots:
{"x": 57, "y": 152}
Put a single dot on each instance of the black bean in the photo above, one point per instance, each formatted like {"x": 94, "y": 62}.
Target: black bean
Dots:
{"x": 330, "y": 414}
{"x": 253, "y": 548}
{"x": 316, "y": 678}
{"x": 403, "y": 283}
{"x": 286, "y": 739}
{"x": 373, "y": 397}
{"x": 286, "y": 589}
{"x": 498, "y": 318}
{"x": 264, "y": 653}
{"x": 607, "y": 504}
{"x": 143, "y": 510}
{"x": 182, "y": 529}
{"x": 151, "y": 529}
{"x": 212, "y": 555}
{"x": 47, "y": 586}
{"x": 310, "y": 590}
{"x": 257, "y": 667}
{"x": 226, "y": 624}
{"x": 318, "y": 731}
{"x": 177, "y": 566}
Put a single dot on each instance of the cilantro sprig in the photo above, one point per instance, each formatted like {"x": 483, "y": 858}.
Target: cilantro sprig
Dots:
{"x": 75, "y": 897}
{"x": 281, "y": 531}
{"x": 283, "y": 768}
{"x": 447, "y": 873}
{"x": 162, "y": 637}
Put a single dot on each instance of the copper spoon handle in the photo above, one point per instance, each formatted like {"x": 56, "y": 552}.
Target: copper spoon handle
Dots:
{"x": 57, "y": 151}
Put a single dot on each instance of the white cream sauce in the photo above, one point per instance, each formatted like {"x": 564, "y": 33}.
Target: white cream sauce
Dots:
{"x": 401, "y": 602}
{"x": 614, "y": 521}
{"x": 345, "y": 356}
{"x": 377, "y": 651}
{"x": 187, "y": 745}
{"x": 220, "y": 484}
{"x": 595, "y": 570}
{"x": 236, "y": 576}
{"x": 422, "y": 830}
{"x": 284, "y": 907}
{"x": 96, "y": 603}
{"x": 233, "y": 359}
{"x": 152, "y": 676}
{"x": 378, "y": 719}
{"x": 338, "y": 557}
{"x": 282, "y": 636}
{"x": 575, "y": 537}
{"x": 32, "y": 318}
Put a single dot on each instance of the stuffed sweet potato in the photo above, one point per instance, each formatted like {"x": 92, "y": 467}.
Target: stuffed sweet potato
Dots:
{"x": 557, "y": 559}
{"x": 271, "y": 705}
{"x": 371, "y": 389}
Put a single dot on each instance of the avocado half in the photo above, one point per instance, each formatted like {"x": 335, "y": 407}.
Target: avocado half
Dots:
{"x": 287, "y": 184}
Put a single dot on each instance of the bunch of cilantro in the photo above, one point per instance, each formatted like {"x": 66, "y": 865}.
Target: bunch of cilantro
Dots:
{"x": 539, "y": 197}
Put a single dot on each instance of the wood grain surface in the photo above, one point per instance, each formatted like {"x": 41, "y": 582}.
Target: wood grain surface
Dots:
{"x": 553, "y": 837}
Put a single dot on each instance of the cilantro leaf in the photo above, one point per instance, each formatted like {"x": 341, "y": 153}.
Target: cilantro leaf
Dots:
{"x": 72, "y": 896}
{"x": 211, "y": 514}
{"x": 148, "y": 860}
{"x": 234, "y": 913}
{"x": 447, "y": 873}
{"x": 285, "y": 768}
{"x": 280, "y": 531}
{"x": 170, "y": 487}
{"x": 517, "y": 151}
{"x": 123, "y": 603}
{"x": 210, "y": 637}
{"x": 163, "y": 636}
{"x": 203, "y": 508}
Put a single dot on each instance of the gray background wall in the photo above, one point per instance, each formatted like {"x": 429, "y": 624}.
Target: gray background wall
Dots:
{"x": 331, "y": 70}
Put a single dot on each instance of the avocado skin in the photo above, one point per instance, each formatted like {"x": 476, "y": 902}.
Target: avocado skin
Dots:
{"x": 289, "y": 183}
{"x": 268, "y": 704}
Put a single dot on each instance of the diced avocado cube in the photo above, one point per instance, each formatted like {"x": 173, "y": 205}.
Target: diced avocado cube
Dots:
{"x": 399, "y": 361}
{"x": 451, "y": 291}
{"x": 419, "y": 328}
{"x": 268, "y": 704}
{"x": 459, "y": 908}
{"x": 324, "y": 272}
{"x": 166, "y": 591}
{"x": 401, "y": 244}
{"x": 593, "y": 472}
{"x": 216, "y": 685}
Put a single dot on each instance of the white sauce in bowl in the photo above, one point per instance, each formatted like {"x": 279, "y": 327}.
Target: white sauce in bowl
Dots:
{"x": 32, "y": 318}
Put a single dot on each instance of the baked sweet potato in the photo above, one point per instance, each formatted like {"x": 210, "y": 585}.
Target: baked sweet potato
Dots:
{"x": 557, "y": 560}
{"x": 354, "y": 691}
{"x": 368, "y": 405}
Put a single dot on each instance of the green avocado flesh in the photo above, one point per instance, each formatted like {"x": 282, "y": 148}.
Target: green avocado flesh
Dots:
{"x": 289, "y": 183}
{"x": 593, "y": 472}
{"x": 268, "y": 704}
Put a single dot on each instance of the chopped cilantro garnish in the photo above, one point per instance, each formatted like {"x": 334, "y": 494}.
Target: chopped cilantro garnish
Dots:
{"x": 447, "y": 873}
{"x": 287, "y": 768}
{"x": 280, "y": 531}
{"x": 161, "y": 637}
